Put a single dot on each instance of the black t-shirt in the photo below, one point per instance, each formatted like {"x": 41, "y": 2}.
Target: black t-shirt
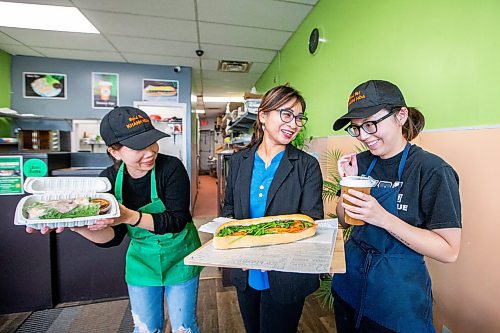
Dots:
{"x": 429, "y": 197}
{"x": 173, "y": 187}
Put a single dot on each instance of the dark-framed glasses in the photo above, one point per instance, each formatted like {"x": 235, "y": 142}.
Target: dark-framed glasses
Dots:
{"x": 287, "y": 116}
{"x": 370, "y": 127}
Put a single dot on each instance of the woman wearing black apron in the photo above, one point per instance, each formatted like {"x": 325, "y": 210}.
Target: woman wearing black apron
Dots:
{"x": 412, "y": 211}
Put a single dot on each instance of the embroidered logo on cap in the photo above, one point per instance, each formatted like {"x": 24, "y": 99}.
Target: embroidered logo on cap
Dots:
{"x": 135, "y": 121}
{"x": 356, "y": 96}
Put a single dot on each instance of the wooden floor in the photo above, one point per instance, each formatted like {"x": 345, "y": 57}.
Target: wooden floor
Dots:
{"x": 217, "y": 309}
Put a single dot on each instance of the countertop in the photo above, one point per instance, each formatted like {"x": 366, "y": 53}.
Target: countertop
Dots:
{"x": 77, "y": 172}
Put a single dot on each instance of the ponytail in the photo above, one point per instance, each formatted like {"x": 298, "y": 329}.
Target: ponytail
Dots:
{"x": 258, "y": 133}
{"x": 414, "y": 124}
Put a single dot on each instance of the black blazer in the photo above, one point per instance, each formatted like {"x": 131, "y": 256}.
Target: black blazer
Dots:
{"x": 296, "y": 188}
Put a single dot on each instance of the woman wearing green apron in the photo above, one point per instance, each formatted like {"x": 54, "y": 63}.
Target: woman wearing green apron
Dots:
{"x": 412, "y": 211}
{"x": 153, "y": 192}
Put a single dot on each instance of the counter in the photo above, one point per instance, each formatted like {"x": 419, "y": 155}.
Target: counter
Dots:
{"x": 41, "y": 271}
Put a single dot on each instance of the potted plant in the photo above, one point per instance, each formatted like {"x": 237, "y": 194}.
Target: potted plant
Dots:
{"x": 331, "y": 191}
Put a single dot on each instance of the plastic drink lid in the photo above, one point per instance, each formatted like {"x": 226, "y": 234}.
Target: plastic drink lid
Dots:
{"x": 356, "y": 181}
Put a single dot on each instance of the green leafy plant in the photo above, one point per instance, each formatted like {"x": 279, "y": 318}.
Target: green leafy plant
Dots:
{"x": 331, "y": 190}
{"x": 300, "y": 140}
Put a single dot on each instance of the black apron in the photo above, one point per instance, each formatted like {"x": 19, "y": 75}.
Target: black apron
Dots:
{"x": 386, "y": 281}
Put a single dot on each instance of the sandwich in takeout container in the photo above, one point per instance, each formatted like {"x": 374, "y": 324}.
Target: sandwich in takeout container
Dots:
{"x": 65, "y": 202}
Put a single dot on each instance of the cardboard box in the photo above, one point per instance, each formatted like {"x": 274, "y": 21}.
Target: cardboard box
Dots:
{"x": 249, "y": 95}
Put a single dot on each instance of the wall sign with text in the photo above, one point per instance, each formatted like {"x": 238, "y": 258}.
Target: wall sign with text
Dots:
{"x": 11, "y": 175}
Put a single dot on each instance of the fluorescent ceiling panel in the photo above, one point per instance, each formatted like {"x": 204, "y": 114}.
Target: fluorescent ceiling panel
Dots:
{"x": 43, "y": 17}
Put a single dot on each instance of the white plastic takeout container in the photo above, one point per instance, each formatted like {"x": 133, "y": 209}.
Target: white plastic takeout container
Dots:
{"x": 59, "y": 188}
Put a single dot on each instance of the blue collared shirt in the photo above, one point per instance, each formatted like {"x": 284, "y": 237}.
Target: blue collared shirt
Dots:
{"x": 262, "y": 178}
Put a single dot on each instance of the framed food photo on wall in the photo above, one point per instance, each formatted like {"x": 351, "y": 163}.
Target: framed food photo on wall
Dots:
{"x": 105, "y": 90}
{"x": 44, "y": 85}
{"x": 160, "y": 90}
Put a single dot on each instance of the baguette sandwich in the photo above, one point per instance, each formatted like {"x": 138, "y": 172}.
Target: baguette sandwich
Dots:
{"x": 160, "y": 91}
{"x": 66, "y": 208}
{"x": 268, "y": 230}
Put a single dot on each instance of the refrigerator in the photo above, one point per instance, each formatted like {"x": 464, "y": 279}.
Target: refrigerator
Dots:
{"x": 175, "y": 120}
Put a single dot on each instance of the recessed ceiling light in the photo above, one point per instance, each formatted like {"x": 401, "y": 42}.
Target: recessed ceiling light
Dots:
{"x": 44, "y": 17}
{"x": 200, "y": 111}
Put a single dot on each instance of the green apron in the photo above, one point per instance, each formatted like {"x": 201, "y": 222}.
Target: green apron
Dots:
{"x": 157, "y": 260}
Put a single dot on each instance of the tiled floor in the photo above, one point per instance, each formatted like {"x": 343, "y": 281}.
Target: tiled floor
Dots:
{"x": 206, "y": 199}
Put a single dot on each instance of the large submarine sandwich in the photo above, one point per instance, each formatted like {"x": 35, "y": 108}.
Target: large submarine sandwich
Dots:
{"x": 268, "y": 230}
{"x": 160, "y": 91}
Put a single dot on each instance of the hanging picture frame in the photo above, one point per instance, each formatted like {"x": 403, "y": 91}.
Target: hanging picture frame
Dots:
{"x": 44, "y": 85}
{"x": 158, "y": 90}
{"x": 105, "y": 88}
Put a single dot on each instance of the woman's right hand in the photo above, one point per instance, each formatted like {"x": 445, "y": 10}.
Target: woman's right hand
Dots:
{"x": 43, "y": 231}
{"x": 347, "y": 165}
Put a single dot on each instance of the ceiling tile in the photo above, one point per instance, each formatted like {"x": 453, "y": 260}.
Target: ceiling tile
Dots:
{"x": 66, "y": 3}
{"x": 19, "y": 50}
{"x": 256, "y": 13}
{"x": 164, "y": 32}
{"x": 243, "y": 36}
{"x": 5, "y": 39}
{"x": 226, "y": 52}
{"x": 160, "y": 60}
{"x": 212, "y": 65}
{"x": 80, "y": 54}
{"x": 258, "y": 67}
{"x": 224, "y": 77}
{"x": 57, "y": 39}
{"x": 307, "y": 2}
{"x": 142, "y": 26}
{"x": 153, "y": 46}
{"x": 164, "y": 8}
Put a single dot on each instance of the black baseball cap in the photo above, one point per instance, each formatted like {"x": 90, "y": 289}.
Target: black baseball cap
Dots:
{"x": 130, "y": 127}
{"x": 369, "y": 98}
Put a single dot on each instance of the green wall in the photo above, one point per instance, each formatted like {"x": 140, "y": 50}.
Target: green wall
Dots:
{"x": 444, "y": 55}
{"x": 5, "y": 60}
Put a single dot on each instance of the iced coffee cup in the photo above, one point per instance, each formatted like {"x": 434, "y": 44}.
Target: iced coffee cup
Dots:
{"x": 105, "y": 90}
{"x": 358, "y": 183}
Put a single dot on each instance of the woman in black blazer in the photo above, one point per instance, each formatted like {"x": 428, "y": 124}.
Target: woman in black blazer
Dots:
{"x": 271, "y": 177}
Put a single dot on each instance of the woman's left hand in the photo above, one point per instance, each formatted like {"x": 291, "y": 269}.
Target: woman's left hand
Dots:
{"x": 368, "y": 210}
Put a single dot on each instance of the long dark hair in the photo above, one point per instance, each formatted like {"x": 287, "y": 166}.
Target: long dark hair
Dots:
{"x": 414, "y": 124}
{"x": 272, "y": 100}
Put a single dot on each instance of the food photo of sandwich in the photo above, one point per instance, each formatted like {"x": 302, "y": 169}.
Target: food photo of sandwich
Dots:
{"x": 268, "y": 230}
{"x": 66, "y": 208}
{"x": 159, "y": 91}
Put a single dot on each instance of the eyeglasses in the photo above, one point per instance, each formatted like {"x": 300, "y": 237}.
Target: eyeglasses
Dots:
{"x": 370, "y": 127}
{"x": 287, "y": 116}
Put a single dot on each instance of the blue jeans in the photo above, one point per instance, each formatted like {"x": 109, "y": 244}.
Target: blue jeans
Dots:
{"x": 147, "y": 307}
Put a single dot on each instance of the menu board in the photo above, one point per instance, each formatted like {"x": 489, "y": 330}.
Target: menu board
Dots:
{"x": 11, "y": 175}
